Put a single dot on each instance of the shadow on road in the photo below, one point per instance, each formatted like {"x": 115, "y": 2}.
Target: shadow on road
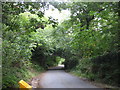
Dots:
{"x": 59, "y": 67}
{"x": 56, "y": 77}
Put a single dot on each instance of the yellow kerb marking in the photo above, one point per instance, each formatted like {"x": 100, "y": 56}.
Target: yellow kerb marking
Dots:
{"x": 24, "y": 85}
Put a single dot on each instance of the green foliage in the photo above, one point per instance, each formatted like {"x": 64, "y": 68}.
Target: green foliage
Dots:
{"x": 85, "y": 40}
{"x": 103, "y": 68}
{"x": 20, "y": 37}
{"x": 71, "y": 63}
{"x": 91, "y": 32}
{"x": 12, "y": 76}
{"x": 108, "y": 68}
{"x": 60, "y": 60}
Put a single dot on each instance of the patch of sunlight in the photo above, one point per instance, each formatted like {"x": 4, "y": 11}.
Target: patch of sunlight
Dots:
{"x": 62, "y": 65}
{"x": 56, "y": 14}
{"x": 60, "y": 60}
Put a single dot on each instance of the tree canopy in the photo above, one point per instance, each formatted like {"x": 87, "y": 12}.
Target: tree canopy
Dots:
{"x": 87, "y": 41}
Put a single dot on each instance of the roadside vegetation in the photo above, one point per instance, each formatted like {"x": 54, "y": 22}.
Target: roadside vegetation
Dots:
{"x": 87, "y": 42}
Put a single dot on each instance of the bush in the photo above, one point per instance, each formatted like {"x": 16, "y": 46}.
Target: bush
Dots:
{"x": 72, "y": 62}
{"x": 102, "y": 68}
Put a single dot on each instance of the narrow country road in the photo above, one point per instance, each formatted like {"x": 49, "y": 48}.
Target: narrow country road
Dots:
{"x": 60, "y": 79}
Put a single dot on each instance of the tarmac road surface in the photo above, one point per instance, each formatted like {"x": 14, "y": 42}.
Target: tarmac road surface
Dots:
{"x": 56, "y": 78}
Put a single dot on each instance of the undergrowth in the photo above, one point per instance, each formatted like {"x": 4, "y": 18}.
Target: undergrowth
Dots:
{"x": 13, "y": 75}
{"x": 104, "y": 69}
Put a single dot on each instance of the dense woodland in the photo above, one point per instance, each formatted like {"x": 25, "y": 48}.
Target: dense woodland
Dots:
{"x": 88, "y": 40}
